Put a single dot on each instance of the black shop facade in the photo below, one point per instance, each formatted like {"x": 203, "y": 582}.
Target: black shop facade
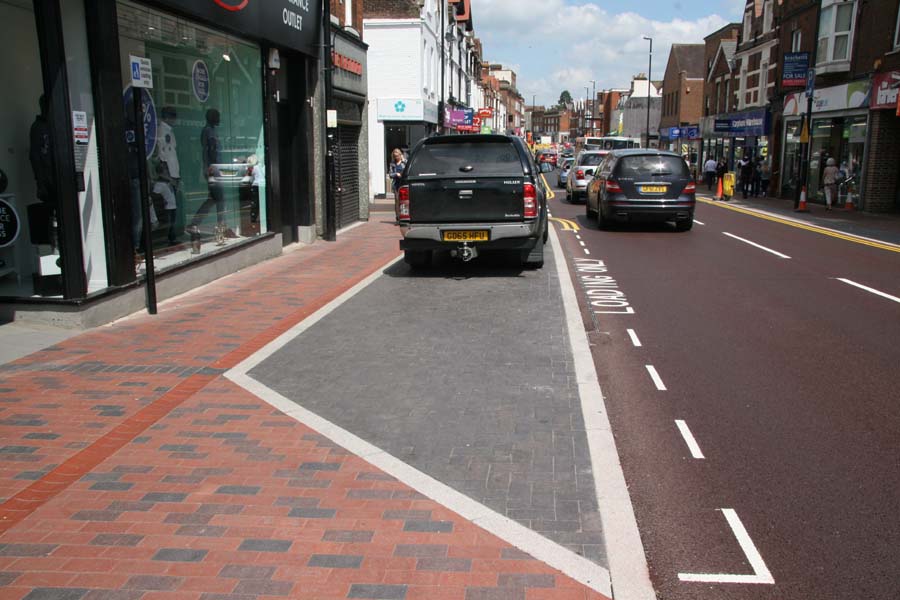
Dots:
{"x": 227, "y": 160}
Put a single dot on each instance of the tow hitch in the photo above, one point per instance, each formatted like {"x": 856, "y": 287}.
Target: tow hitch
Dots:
{"x": 464, "y": 252}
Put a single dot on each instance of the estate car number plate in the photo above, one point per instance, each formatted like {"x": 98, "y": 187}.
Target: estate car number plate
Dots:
{"x": 653, "y": 189}
{"x": 465, "y": 236}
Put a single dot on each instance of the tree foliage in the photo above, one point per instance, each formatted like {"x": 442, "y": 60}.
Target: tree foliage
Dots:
{"x": 565, "y": 98}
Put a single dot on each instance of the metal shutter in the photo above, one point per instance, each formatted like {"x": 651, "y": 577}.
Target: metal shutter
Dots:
{"x": 348, "y": 175}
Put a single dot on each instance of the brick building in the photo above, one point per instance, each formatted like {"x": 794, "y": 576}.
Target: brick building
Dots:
{"x": 719, "y": 49}
{"x": 682, "y": 99}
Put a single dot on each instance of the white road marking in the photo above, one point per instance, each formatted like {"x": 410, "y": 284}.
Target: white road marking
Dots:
{"x": 698, "y": 222}
{"x": 776, "y": 253}
{"x": 634, "y": 338}
{"x": 586, "y": 251}
{"x": 568, "y": 562}
{"x": 625, "y": 551}
{"x": 656, "y": 378}
{"x": 761, "y": 573}
{"x": 577, "y": 237}
{"x": 868, "y": 289}
{"x": 689, "y": 439}
{"x": 582, "y": 243}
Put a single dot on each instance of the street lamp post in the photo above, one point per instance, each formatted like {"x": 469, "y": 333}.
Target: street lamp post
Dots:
{"x": 649, "y": 71}
{"x": 584, "y": 112}
{"x": 593, "y": 101}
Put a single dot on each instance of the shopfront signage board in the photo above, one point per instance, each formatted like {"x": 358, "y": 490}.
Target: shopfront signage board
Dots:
{"x": 674, "y": 133}
{"x": 485, "y": 113}
{"x": 349, "y": 72}
{"x": 693, "y": 133}
{"x": 294, "y": 24}
{"x": 847, "y": 96}
{"x": 884, "y": 90}
{"x": 141, "y": 72}
{"x": 794, "y": 71}
{"x": 456, "y": 116}
{"x": 401, "y": 109}
{"x": 200, "y": 81}
{"x": 745, "y": 124}
{"x": 9, "y": 224}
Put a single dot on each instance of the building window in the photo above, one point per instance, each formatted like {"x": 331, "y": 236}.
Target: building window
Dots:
{"x": 748, "y": 22}
{"x": 796, "y": 40}
{"x": 767, "y": 16}
{"x": 763, "y": 81}
{"x": 835, "y": 31}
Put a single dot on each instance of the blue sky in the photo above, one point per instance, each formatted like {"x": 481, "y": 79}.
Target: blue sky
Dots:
{"x": 564, "y": 44}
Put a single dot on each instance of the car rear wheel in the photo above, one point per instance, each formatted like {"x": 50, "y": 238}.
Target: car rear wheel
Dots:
{"x": 591, "y": 214}
{"x": 417, "y": 259}
{"x": 534, "y": 258}
{"x": 602, "y": 222}
{"x": 684, "y": 225}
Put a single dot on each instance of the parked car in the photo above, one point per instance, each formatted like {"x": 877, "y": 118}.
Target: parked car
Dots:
{"x": 564, "y": 170}
{"x": 642, "y": 185}
{"x": 466, "y": 193}
{"x": 582, "y": 170}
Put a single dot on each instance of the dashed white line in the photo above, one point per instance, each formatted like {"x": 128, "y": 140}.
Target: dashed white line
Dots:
{"x": 689, "y": 439}
{"x": 634, "y": 338}
{"x": 582, "y": 243}
{"x": 754, "y": 244}
{"x": 761, "y": 573}
{"x": 586, "y": 251}
{"x": 656, "y": 378}
{"x": 699, "y": 222}
{"x": 868, "y": 289}
{"x": 577, "y": 237}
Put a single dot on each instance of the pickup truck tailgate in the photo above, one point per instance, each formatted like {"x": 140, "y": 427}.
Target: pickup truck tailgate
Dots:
{"x": 480, "y": 200}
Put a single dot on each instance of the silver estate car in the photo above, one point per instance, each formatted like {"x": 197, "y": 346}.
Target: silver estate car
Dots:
{"x": 582, "y": 171}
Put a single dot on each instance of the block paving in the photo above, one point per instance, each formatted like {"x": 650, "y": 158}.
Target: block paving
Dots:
{"x": 132, "y": 469}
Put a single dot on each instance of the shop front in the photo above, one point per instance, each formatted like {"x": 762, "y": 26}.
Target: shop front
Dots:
{"x": 402, "y": 123}
{"x": 840, "y": 121}
{"x": 882, "y": 174}
{"x": 739, "y": 135}
{"x": 215, "y": 76}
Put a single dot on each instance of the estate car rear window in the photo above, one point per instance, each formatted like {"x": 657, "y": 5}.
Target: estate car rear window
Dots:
{"x": 462, "y": 159}
{"x": 650, "y": 165}
{"x": 590, "y": 160}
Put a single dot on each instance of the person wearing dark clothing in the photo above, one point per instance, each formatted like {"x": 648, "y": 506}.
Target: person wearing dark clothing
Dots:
{"x": 209, "y": 142}
{"x": 721, "y": 169}
{"x": 746, "y": 171}
{"x": 756, "y": 179}
{"x": 765, "y": 175}
{"x": 41, "y": 216}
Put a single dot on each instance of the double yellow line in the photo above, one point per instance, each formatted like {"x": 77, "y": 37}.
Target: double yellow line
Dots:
{"x": 550, "y": 193}
{"x": 567, "y": 224}
{"x": 807, "y": 227}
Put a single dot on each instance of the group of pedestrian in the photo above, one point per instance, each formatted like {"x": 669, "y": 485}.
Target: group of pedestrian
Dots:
{"x": 714, "y": 171}
{"x": 755, "y": 174}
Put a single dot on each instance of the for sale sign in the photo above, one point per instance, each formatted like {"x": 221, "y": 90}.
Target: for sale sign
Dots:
{"x": 796, "y": 65}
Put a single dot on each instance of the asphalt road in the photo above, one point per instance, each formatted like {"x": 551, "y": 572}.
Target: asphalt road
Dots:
{"x": 781, "y": 376}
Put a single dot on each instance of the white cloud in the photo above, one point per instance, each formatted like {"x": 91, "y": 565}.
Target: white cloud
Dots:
{"x": 563, "y": 45}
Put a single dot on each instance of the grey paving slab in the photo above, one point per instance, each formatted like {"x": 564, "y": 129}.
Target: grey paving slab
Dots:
{"x": 465, "y": 373}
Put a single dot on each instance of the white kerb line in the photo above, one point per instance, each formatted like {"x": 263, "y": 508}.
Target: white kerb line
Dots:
{"x": 634, "y": 338}
{"x": 761, "y": 573}
{"x": 656, "y": 378}
{"x": 689, "y": 439}
{"x": 754, "y": 244}
{"x": 868, "y": 289}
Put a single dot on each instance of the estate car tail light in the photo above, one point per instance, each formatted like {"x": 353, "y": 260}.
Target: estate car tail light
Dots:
{"x": 690, "y": 188}
{"x": 612, "y": 187}
{"x": 403, "y": 202}
{"x": 530, "y": 200}
{"x": 579, "y": 174}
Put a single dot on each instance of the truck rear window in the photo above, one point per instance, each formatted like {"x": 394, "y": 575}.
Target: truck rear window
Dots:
{"x": 465, "y": 159}
{"x": 647, "y": 165}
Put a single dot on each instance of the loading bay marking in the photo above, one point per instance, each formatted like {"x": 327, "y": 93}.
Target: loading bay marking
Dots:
{"x": 761, "y": 574}
{"x": 603, "y": 293}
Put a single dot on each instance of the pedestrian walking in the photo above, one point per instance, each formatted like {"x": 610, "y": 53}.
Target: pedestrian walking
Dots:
{"x": 210, "y": 147}
{"x": 398, "y": 164}
{"x": 829, "y": 179}
{"x": 765, "y": 175}
{"x": 746, "y": 171}
{"x": 755, "y": 179}
{"x": 710, "y": 171}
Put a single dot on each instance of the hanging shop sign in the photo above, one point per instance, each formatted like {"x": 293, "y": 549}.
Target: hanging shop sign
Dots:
{"x": 485, "y": 113}
{"x": 848, "y": 96}
{"x": 884, "y": 90}
{"x": 794, "y": 69}
{"x": 9, "y": 224}
{"x": 291, "y": 23}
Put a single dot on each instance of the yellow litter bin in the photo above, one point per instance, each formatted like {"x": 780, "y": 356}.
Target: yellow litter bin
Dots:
{"x": 728, "y": 185}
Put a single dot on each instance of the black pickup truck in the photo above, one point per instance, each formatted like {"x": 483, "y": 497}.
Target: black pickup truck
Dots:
{"x": 465, "y": 193}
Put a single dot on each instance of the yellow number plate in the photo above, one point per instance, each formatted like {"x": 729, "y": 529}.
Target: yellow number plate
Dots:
{"x": 653, "y": 189}
{"x": 465, "y": 236}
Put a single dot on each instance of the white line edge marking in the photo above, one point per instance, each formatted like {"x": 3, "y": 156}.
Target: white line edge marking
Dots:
{"x": 761, "y": 574}
{"x": 634, "y": 338}
{"x": 582, "y": 243}
{"x": 868, "y": 289}
{"x": 625, "y": 551}
{"x": 554, "y": 555}
{"x": 689, "y": 439}
{"x": 656, "y": 378}
{"x": 776, "y": 253}
{"x": 699, "y": 222}
{"x": 577, "y": 237}
{"x": 586, "y": 251}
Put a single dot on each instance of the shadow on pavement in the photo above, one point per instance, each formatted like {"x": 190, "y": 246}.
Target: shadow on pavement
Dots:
{"x": 488, "y": 264}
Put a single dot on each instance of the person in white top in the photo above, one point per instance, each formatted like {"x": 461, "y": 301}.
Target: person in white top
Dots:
{"x": 829, "y": 178}
{"x": 710, "y": 170}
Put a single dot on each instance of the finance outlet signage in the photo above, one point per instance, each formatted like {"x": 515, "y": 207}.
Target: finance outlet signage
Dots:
{"x": 290, "y": 23}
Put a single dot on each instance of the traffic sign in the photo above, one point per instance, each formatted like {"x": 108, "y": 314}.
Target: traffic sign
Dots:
{"x": 141, "y": 72}
{"x": 810, "y": 83}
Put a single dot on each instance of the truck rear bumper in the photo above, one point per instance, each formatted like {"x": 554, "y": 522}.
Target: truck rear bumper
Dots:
{"x": 501, "y": 236}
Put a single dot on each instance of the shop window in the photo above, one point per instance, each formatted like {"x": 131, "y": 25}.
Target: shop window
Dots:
{"x": 836, "y": 32}
{"x": 203, "y": 125}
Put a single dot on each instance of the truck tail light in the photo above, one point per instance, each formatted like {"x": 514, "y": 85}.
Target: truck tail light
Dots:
{"x": 579, "y": 174}
{"x": 403, "y": 202}
{"x": 690, "y": 188}
{"x": 612, "y": 187}
{"x": 530, "y": 201}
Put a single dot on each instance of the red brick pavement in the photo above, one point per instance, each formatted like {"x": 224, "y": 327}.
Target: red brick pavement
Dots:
{"x": 133, "y": 469}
